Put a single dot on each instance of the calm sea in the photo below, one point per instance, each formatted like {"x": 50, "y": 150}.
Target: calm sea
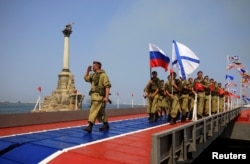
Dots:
{"x": 7, "y": 108}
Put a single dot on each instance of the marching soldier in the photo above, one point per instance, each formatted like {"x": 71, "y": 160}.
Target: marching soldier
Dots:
{"x": 199, "y": 85}
{"x": 173, "y": 89}
{"x": 191, "y": 96}
{"x": 99, "y": 93}
{"x": 207, "y": 96}
{"x": 163, "y": 105}
{"x": 221, "y": 93}
{"x": 152, "y": 88}
{"x": 184, "y": 99}
{"x": 214, "y": 94}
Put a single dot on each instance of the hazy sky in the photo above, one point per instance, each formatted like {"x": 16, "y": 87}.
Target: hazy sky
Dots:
{"x": 117, "y": 33}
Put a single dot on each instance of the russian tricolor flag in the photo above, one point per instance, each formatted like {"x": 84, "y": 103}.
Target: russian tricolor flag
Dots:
{"x": 158, "y": 57}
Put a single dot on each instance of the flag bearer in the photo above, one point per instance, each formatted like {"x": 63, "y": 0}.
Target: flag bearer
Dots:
{"x": 173, "y": 89}
{"x": 163, "y": 104}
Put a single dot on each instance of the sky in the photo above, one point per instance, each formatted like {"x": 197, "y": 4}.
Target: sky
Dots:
{"x": 117, "y": 33}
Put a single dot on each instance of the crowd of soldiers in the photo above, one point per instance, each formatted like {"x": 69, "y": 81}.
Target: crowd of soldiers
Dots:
{"x": 176, "y": 97}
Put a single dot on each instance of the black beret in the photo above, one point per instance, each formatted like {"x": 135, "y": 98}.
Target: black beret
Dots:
{"x": 97, "y": 62}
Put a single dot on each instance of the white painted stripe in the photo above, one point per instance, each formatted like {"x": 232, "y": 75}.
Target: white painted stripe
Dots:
{"x": 51, "y": 157}
{"x": 63, "y": 128}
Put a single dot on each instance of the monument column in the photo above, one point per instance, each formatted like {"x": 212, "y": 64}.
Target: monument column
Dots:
{"x": 67, "y": 31}
{"x": 65, "y": 97}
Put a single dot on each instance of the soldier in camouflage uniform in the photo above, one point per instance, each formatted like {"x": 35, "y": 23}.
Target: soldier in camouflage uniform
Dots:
{"x": 221, "y": 93}
{"x": 184, "y": 99}
{"x": 99, "y": 93}
{"x": 152, "y": 89}
{"x": 163, "y": 105}
{"x": 214, "y": 94}
{"x": 207, "y": 96}
{"x": 199, "y": 86}
{"x": 173, "y": 89}
{"x": 191, "y": 97}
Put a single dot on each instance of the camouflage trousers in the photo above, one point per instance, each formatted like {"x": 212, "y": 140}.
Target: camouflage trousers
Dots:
{"x": 184, "y": 103}
{"x": 174, "y": 106}
{"x": 200, "y": 103}
{"x": 221, "y": 104}
{"x": 191, "y": 103}
{"x": 153, "y": 104}
{"x": 214, "y": 104}
{"x": 207, "y": 101}
{"x": 97, "y": 111}
{"x": 162, "y": 101}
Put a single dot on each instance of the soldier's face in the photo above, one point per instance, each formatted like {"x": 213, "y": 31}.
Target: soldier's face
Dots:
{"x": 200, "y": 74}
{"x": 154, "y": 74}
{"x": 95, "y": 67}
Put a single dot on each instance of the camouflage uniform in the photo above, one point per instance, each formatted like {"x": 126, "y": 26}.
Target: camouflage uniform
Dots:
{"x": 199, "y": 83}
{"x": 214, "y": 94}
{"x": 221, "y": 93}
{"x": 174, "y": 105}
{"x": 207, "y": 98}
{"x": 99, "y": 81}
{"x": 184, "y": 99}
{"x": 162, "y": 101}
{"x": 191, "y": 97}
{"x": 153, "y": 99}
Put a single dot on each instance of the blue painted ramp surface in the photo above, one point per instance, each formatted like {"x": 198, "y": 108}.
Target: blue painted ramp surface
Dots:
{"x": 34, "y": 147}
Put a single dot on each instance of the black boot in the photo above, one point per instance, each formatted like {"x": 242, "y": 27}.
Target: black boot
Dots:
{"x": 151, "y": 119}
{"x": 190, "y": 116}
{"x": 89, "y": 128}
{"x": 149, "y": 116}
{"x": 183, "y": 117}
{"x": 156, "y": 116}
{"x": 172, "y": 121}
{"x": 178, "y": 115}
{"x": 169, "y": 118}
{"x": 104, "y": 127}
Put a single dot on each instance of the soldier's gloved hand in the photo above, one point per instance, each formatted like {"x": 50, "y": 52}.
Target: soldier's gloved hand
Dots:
{"x": 89, "y": 68}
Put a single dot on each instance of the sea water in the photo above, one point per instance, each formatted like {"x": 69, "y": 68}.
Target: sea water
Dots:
{"x": 8, "y": 108}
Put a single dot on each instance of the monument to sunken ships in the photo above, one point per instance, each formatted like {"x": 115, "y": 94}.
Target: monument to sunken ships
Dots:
{"x": 65, "y": 97}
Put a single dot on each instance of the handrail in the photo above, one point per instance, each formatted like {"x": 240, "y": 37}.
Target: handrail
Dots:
{"x": 185, "y": 143}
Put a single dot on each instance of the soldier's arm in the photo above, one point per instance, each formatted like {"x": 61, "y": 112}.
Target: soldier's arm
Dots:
{"x": 156, "y": 91}
{"x": 178, "y": 86}
{"x": 107, "y": 89}
{"x": 168, "y": 94}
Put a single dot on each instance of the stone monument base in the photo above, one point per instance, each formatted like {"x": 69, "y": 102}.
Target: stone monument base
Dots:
{"x": 65, "y": 97}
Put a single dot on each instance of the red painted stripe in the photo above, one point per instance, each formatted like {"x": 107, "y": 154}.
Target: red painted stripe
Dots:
{"x": 133, "y": 148}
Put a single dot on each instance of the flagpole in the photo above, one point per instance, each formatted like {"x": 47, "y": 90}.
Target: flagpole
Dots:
{"x": 39, "y": 105}
{"x": 132, "y": 101}
{"x": 118, "y": 101}
{"x": 240, "y": 91}
{"x": 228, "y": 108}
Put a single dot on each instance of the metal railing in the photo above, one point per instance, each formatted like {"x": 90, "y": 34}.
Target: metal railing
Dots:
{"x": 183, "y": 144}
